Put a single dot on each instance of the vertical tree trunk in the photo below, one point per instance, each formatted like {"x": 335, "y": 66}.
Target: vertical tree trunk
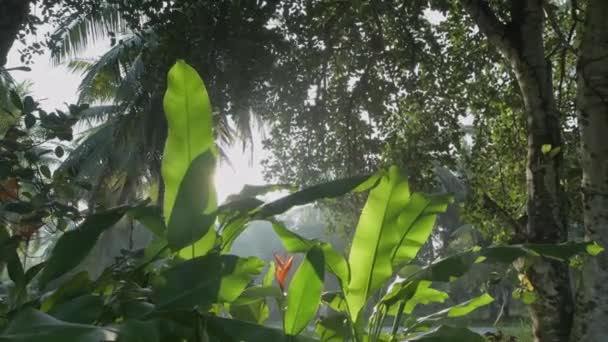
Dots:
{"x": 521, "y": 44}
{"x": 13, "y": 14}
{"x": 591, "y": 318}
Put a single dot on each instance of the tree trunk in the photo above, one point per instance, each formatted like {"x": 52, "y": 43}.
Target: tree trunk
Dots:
{"x": 592, "y": 297}
{"x": 521, "y": 44}
{"x": 13, "y": 14}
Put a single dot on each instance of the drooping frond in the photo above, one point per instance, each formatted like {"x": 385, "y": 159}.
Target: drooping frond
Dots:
{"x": 6, "y": 84}
{"x": 80, "y": 65}
{"x": 80, "y": 31}
{"x": 130, "y": 86}
{"x": 96, "y": 114}
{"x": 88, "y": 158}
{"x": 102, "y": 79}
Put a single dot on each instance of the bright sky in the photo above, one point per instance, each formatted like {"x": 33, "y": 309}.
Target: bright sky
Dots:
{"x": 56, "y": 86}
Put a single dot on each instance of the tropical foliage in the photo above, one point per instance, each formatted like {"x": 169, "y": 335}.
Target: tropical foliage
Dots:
{"x": 186, "y": 286}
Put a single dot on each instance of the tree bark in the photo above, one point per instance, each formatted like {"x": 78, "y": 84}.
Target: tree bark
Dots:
{"x": 521, "y": 44}
{"x": 592, "y": 102}
{"x": 13, "y": 14}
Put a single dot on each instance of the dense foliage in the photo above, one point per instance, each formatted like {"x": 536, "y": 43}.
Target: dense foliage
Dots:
{"x": 186, "y": 286}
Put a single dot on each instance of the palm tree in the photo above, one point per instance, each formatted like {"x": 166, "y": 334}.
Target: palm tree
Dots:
{"x": 121, "y": 151}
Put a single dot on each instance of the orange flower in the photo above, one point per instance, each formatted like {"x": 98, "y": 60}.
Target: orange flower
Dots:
{"x": 283, "y": 267}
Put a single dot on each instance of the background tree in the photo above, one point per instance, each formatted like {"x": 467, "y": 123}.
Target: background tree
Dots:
{"x": 592, "y": 109}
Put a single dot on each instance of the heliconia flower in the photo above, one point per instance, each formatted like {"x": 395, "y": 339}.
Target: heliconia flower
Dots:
{"x": 283, "y": 267}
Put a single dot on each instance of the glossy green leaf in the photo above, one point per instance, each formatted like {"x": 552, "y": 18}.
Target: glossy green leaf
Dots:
{"x": 467, "y": 307}
{"x": 190, "y": 129}
{"x": 74, "y": 245}
{"x": 326, "y": 190}
{"x": 33, "y": 271}
{"x": 294, "y": 243}
{"x": 447, "y": 334}
{"x": 260, "y": 190}
{"x": 416, "y": 222}
{"x": 333, "y": 328}
{"x": 34, "y": 326}
{"x": 594, "y": 249}
{"x": 458, "y": 310}
{"x": 193, "y": 214}
{"x": 269, "y": 276}
{"x": 256, "y": 294}
{"x": 200, "y": 247}
{"x": 304, "y": 293}
{"x": 151, "y": 217}
{"x": 232, "y": 230}
{"x": 424, "y": 294}
{"x": 205, "y": 280}
{"x": 335, "y": 300}
{"x": 564, "y": 251}
{"x": 255, "y": 312}
{"x": 452, "y": 267}
{"x": 8, "y": 254}
{"x": 376, "y": 237}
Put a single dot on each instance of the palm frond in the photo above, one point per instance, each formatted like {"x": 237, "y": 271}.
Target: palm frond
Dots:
{"x": 97, "y": 114}
{"x": 103, "y": 78}
{"x": 81, "y": 31}
{"x": 6, "y": 84}
{"x": 80, "y": 65}
{"x": 87, "y": 159}
{"x": 130, "y": 86}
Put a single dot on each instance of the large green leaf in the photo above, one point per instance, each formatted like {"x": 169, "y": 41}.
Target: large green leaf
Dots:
{"x": 458, "y": 310}
{"x": 205, "y": 280}
{"x": 8, "y": 254}
{"x": 151, "y": 217}
{"x": 376, "y": 237}
{"x": 232, "y": 229}
{"x": 255, "y": 312}
{"x": 454, "y": 266}
{"x": 294, "y": 243}
{"x": 223, "y": 329}
{"x": 201, "y": 246}
{"x": 416, "y": 221}
{"x": 73, "y": 246}
{"x": 251, "y": 305}
{"x": 193, "y": 214}
{"x": 423, "y": 294}
{"x": 252, "y": 191}
{"x": 34, "y": 326}
{"x": 190, "y": 130}
{"x": 335, "y": 300}
{"x": 326, "y": 190}
{"x": 333, "y": 328}
{"x": 304, "y": 293}
{"x": 250, "y": 208}
{"x": 467, "y": 307}
{"x": 256, "y": 294}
